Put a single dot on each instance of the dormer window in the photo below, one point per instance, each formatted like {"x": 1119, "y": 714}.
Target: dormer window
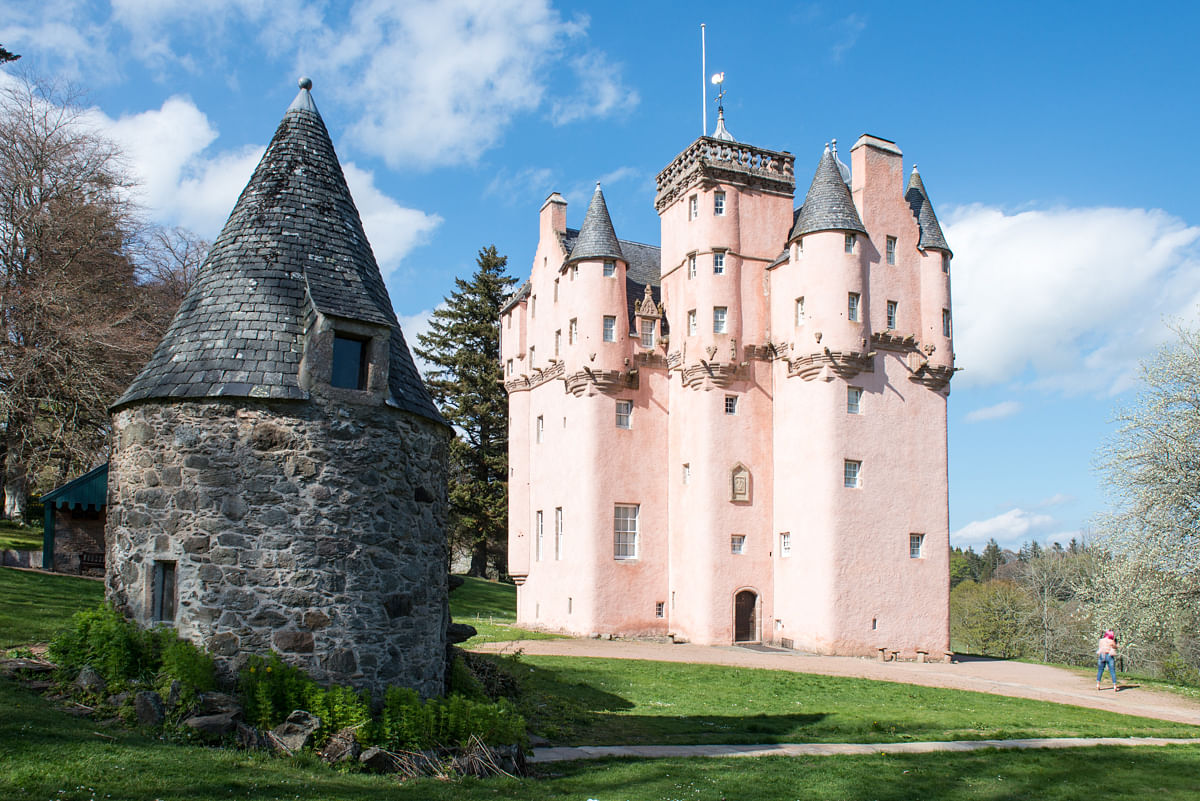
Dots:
{"x": 647, "y": 333}
{"x": 349, "y": 363}
{"x": 610, "y": 269}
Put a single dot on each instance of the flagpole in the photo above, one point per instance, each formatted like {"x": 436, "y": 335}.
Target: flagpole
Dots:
{"x": 703, "y": 84}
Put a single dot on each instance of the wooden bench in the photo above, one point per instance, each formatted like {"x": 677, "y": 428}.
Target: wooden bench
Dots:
{"x": 91, "y": 559}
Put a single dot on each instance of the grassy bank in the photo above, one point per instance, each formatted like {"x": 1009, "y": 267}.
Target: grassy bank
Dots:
{"x": 19, "y": 538}
{"x": 34, "y": 606}
{"x": 45, "y": 753}
{"x": 491, "y": 607}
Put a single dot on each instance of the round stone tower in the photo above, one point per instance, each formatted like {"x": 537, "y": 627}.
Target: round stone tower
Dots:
{"x": 278, "y": 476}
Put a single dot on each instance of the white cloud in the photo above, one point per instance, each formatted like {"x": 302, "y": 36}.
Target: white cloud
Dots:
{"x": 1009, "y": 529}
{"x": 61, "y": 29}
{"x": 849, "y": 29}
{"x": 1078, "y": 295}
{"x": 601, "y": 91}
{"x": 996, "y": 412}
{"x": 391, "y": 229}
{"x": 516, "y": 187}
{"x": 1057, "y": 499}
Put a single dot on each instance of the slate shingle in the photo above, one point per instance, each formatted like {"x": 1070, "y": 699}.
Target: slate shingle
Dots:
{"x": 922, "y": 209}
{"x": 293, "y": 243}
{"x": 828, "y": 206}
{"x": 596, "y": 238}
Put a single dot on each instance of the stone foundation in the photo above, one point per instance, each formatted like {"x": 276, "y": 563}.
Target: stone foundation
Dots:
{"x": 294, "y": 527}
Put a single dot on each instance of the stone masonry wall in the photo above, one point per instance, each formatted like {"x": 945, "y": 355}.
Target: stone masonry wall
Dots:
{"x": 299, "y": 528}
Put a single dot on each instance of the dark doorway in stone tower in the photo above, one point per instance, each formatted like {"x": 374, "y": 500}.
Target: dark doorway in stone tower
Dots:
{"x": 745, "y": 618}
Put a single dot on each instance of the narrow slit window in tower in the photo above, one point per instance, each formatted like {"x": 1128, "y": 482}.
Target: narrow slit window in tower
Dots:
{"x": 163, "y": 601}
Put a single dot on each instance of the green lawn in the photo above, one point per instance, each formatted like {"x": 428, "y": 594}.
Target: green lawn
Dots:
{"x": 46, "y": 754}
{"x": 491, "y": 607}
{"x": 33, "y": 606}
{"x": 17, "y": 538}
{"x": 612, "y": 701}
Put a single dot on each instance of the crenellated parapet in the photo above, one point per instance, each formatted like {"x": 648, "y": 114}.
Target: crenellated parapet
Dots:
{"x": 720, "y": 161}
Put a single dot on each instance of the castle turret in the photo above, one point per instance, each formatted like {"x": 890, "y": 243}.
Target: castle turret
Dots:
{"x": 936, "y": 324}
{"x": 278, "y": 477}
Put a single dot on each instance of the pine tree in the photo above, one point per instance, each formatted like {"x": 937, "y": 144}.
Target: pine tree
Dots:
{"x": 465, "y": 379}
{"x": 6, "y": 56}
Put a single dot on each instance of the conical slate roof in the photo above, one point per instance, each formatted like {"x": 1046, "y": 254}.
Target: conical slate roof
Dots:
{"x": 293, "y": 244}
{"x": 597, "y": 239}
{"x": 828, "y": 205}
{"x": 922, "y": 209}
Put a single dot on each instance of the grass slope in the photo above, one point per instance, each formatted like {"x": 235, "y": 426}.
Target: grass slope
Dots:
{"x": 611, "y": 701}
{"x": 19, "y": 538}
{"x": 45, "y": 753}
{"x": 491, "y": 607}
{"x": 34, "y": 606}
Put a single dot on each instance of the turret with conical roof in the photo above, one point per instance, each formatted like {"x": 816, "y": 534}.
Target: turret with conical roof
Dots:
{"x": 278, "y": 474}
{"x": 828, "y": 206}
{"x": 922, "y": 209}
{"x": 597, "y": 239}
{"x": 293, "y": 245}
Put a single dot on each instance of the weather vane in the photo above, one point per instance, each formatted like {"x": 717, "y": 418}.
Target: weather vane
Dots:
{"x": 718, "y": 80}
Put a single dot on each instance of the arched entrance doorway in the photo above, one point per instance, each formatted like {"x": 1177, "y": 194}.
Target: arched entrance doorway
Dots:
{"x": 745, "y": 617}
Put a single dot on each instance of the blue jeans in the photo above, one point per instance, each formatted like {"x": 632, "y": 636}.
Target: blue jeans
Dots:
{"x": 1111, "y": 662}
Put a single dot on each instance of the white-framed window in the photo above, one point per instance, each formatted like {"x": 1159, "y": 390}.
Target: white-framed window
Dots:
{"x": 731, "y": 404}
{"x": 541, "y": 428}
{"x": 852, "y": 307}
{"x": 719, "y": 314}
{"x": 537, "y": 539}
{"x": 945, "y": 322}
{"x": 946, "y": 263}
{"x": 891, "y": 315}
{"x": 718, "y": 204}
{"x": 647, "y": 333}
{"x": 687, "y": 473}
{"x": 533, "y": 306}
{"x": 573, "y": 331}
{"x": 800, "y": 311}
{"x": 692, "y": 266}
{"x": 691, "y": 322}
{"x": 610, "y": 269}
{"x": 624, "y": 414}
{"x": 557, "y": 341}
{"x": 625, "y": 531}
{"x": 508, "y": 367}
{"x": 850, "y": 238}
{"x": 916, "y": 546}
{"x": 800, "y": 246}
{"x": 854, "y": 400}
{"x": 556, "y": 290}
{"x": 891, "y": 250}
{"x": 532, "y": 357}
{"x": 574, "y": 271}
{"x": 558, "y": 533}
{"x": 852, "y": 474}
{"x": 785, "y": 543}
{"x": 718, "y": 263}
{"x": 737, "y": 543}
{"x": 693, "y": 207}
{"x": 610, "y": 329}
{"x": 660, "y": 609}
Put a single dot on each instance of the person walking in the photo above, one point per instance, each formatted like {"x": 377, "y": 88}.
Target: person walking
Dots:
{"x": 1106, "y": 654}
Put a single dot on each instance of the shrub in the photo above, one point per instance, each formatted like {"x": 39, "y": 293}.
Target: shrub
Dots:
{"x": 271, "y": 689}
{"x": 182, "y": 661}
{"x": 407, "y": 723}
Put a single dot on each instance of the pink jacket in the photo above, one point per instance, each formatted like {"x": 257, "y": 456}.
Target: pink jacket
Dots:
{"x": 1106, "y": 647}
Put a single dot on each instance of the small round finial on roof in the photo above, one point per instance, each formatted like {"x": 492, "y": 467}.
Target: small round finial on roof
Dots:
{"x": 914, "y": 166}
{"x": 597, "y": 186}
{"x": 305, "y": 82}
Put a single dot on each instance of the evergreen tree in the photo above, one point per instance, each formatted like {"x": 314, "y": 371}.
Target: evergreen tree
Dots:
{"x": 6, "y": 56}
{"x": 465, "y": 379}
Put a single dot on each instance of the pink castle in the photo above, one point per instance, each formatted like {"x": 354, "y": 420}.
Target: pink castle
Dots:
{"x": 739, "y": 436}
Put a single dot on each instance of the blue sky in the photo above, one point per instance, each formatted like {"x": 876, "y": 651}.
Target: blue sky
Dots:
{"x": 1054, "y": 139}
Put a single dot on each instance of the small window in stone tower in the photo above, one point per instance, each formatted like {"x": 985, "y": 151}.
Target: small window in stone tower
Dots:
{"x": 891, "y": 315}
{"x": 508, "y": 367}
{"x": 737, "y": 543}
{"x": 659, "y": 609}
{"x": 718, "y": 263}
{"x": 532, "y": 357}
{"x": 719, "y": 204}
{"x": 731, "y": 404}
{"x": 538, "y": 538}
{"x": 573, "y": 331}
{"x": 850, "y": 243}
{"x": 163, "y": 585}
{"x": 692, "y": 266}
{"x": 557, "y": 341}
{"x": 719, "y": 313}
{"x": 349, "y": 363}
{"x": 946, "y": 263}
{"x": 610, "y": 329}
{"x": 785, "y": 543}
{"x": 852, "y": 474}
{"x": 556, "y": 290}
{"x": 610, "y": 269}
{"x": 854, "y": 400}
{"x": 852, "y": 307}
{"x": 799, "y": 311}
{"x": 916, "y": 546}
{"x": 541, "y": 428}
{"x": 691, "y": 322}
{"x": 687, "y": 473}
{"x": 945, "y": 322}
{"x": 891, "y": 250}
{"x": 647, "y": 333}
{"x": 624, "y": 414}
{"x": 693, "y": 207}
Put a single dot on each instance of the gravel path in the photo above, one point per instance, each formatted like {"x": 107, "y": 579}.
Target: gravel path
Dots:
{"x": 996, "y": 676}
